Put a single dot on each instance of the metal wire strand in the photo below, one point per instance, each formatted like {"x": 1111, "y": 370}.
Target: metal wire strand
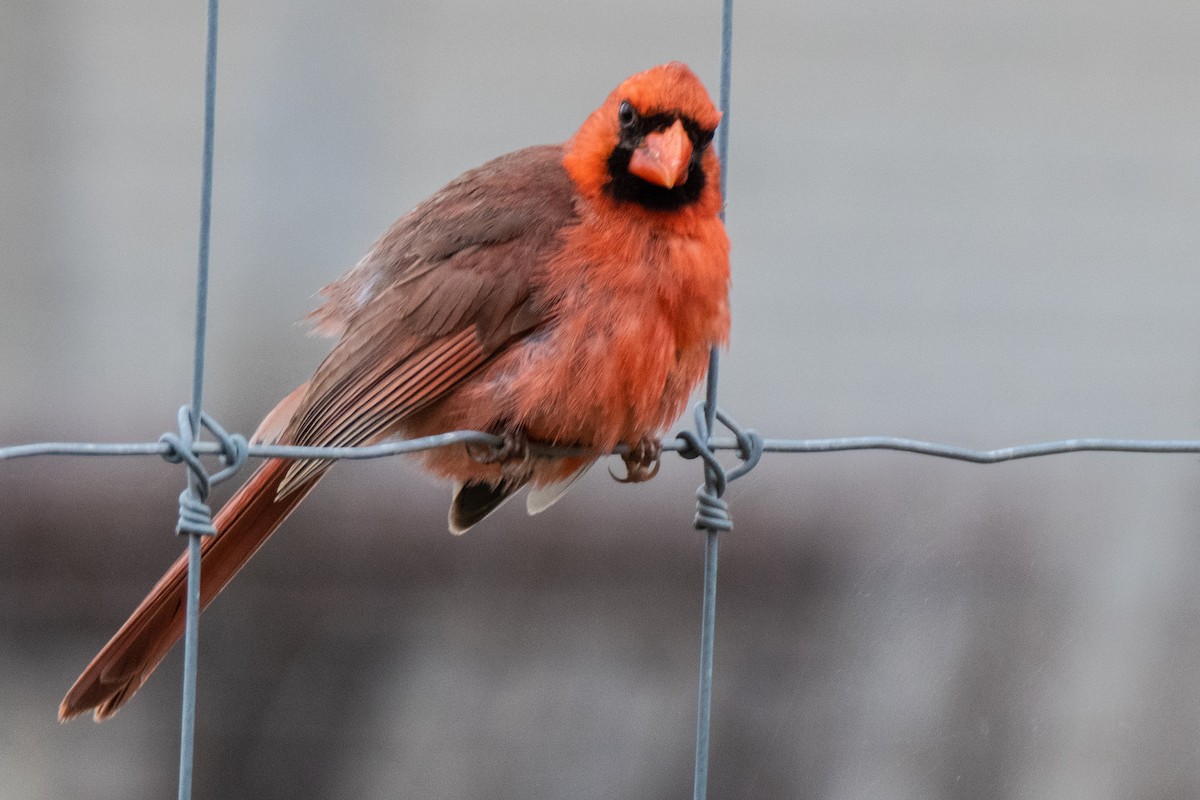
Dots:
{"x": 829, "y": 445}
{"x": 712, "y": 513}
{"x": 194, "y": 515}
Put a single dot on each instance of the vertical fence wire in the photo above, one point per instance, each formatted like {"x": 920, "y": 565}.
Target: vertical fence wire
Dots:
{"x": 191, "y": 633}
{"x": 708, "y": 614}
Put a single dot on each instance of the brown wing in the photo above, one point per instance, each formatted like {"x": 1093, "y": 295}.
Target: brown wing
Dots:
{"x": 446, "y": 288}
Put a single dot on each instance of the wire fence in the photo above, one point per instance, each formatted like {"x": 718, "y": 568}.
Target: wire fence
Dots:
{"x": 186, "y": 446}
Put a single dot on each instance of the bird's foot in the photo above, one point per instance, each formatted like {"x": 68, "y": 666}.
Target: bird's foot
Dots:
{"x": 641, "y": 462}
{"x": 512, "y": 454}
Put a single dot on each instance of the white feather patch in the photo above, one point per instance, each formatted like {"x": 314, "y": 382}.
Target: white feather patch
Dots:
{"x": 543, "y": 497}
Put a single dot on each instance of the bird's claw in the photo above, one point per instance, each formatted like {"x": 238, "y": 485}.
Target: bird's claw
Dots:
{"x": 641, "y": 462}
{"x": 512, "y": 454}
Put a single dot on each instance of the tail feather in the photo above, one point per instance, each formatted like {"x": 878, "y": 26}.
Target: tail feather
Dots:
{"x": 474, "y": 500}
{"x": 243, "y": 524}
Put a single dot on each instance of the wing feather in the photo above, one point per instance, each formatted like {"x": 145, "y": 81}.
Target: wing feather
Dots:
{"x": 382, "y": 398}
{"x": 452, "y": 284}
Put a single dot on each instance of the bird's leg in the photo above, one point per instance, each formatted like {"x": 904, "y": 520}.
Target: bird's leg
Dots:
{"x": 642, "y": 461}
{"x": 512, "y": 454}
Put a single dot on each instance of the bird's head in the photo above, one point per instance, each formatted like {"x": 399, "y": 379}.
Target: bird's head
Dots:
{"x": 649, "y": 143}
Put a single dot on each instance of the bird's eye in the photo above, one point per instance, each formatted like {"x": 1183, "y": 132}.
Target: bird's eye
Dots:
{"x": 626, "y": 115}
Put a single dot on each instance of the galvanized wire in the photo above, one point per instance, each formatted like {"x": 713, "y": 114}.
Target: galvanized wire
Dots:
{"x": 193, "y": 514}
{"x": 827, "y": 445}
{"x": 711, "y": 510}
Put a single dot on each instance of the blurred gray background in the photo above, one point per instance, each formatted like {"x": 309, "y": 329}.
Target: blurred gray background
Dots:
{"x": 970, "y": 222}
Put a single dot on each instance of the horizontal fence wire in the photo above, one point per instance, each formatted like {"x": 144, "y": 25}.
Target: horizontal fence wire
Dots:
{"x": 827, "y": 445}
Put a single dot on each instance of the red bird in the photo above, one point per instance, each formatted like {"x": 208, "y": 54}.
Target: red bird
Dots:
{"x": 563, "y": 294}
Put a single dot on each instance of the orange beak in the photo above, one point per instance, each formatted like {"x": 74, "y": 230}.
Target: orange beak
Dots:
{"x": 663, "y": 157}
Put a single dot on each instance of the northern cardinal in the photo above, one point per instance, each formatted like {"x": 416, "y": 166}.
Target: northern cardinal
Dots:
{"x": 562, "y": 294}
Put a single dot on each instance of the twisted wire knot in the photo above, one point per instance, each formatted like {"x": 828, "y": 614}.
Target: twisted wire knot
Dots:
{"x": 194, "y": 514}
{"x": 712, "y": 512}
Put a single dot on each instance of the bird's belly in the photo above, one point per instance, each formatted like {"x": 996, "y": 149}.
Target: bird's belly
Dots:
{"x": 593, "y": 381}
{"x": 601, "y": 379}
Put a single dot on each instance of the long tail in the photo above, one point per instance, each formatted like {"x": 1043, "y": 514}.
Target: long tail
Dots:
{"x": 243, "y": 524}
